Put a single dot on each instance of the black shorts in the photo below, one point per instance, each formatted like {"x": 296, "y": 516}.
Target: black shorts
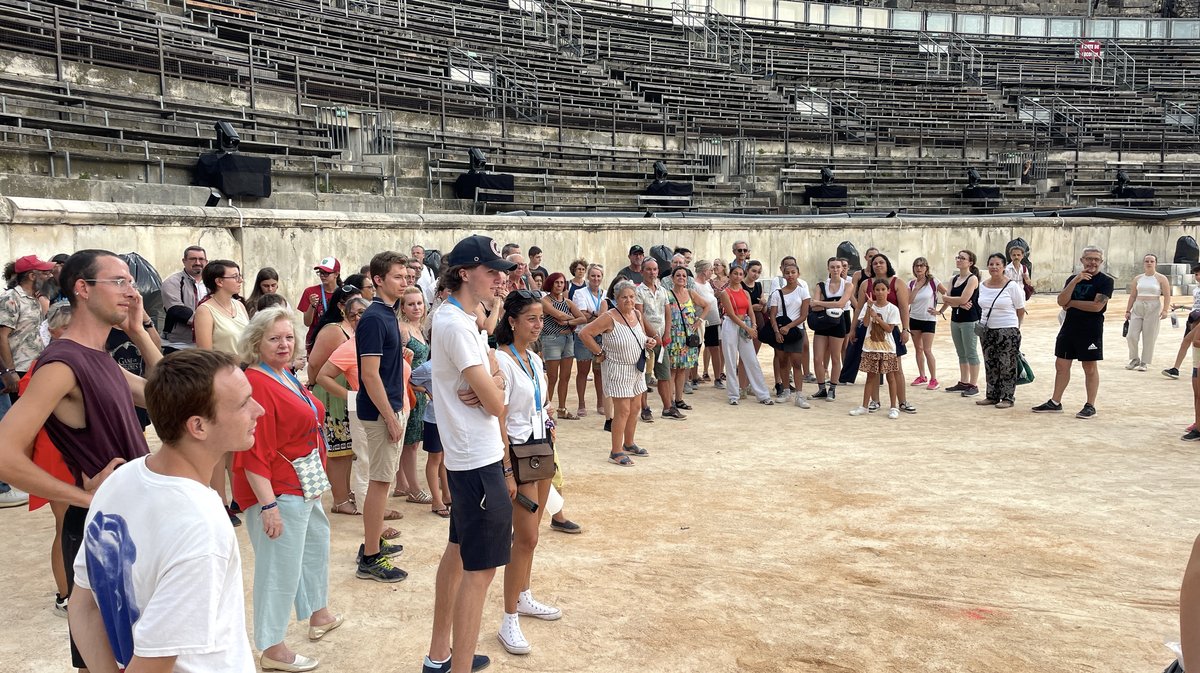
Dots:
{"x": 712, "y": 336}
{"x": 926, "y": 326}
{"x": 72, "y": 541}
{"x": 481, "y": 519}
{"x": 432, "y": 441}
{"x": 1084, "y": 345}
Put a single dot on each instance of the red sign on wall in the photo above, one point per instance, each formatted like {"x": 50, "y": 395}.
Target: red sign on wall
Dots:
{"x": 1089, "y": 50}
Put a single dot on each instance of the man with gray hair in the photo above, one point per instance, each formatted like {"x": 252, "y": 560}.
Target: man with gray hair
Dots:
{"x": 741, "y": 255}
{"x": 518, "y": 278}
{"x": 1081, "y": 337}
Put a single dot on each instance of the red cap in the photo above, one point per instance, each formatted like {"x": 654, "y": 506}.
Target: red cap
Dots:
{"x": 329, "y": 265}
{"x": 31, "y": 263}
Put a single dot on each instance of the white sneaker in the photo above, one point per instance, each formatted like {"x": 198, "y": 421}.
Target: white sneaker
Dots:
{"x": 802, "y": 401}
{"x": 512, "y": 639}
{"x": 60, "y": 605}
{"x": 1132, "y": 364}
{"x": 13, "y": 497}
{"x": 1141, "y": 367}
{"x": 893, "y": 413}
{"x": 859, "y": 411}
{"x": 782, "y": 397}
{"x": 527, "y": 606}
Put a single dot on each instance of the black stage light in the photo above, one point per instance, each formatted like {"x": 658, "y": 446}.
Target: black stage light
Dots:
{"x": 478, "y": 160}
{"x": 972, "y": 178}
{"x": 826, "y": 175}
{"x": 660, "y": 171}
{"x": 227, "y": 137}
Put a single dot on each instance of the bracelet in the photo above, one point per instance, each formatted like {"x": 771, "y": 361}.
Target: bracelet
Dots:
{"x": 6, "y": 372}
{"x": 270, "y": 506}
{"x": 508, "y": 471}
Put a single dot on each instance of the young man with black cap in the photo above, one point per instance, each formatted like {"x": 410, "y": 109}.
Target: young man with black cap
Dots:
{"x": 633, "y": 272}
{"x": 469, "y": 394}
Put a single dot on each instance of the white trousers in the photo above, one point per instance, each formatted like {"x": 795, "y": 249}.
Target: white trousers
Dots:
{"x": 1144, "y": 324}
{"x": 736, "y": 349}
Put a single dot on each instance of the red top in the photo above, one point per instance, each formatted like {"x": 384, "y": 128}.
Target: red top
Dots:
{"x": 304, "y": 304}
{"x": 45, "y": 454}
{"x": 288, "y": 427}
{"x": 741, "y": 302}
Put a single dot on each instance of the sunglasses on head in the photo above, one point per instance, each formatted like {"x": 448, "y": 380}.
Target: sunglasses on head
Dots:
{"x": 351, "y": 289}
{"x": 528, "y": 294}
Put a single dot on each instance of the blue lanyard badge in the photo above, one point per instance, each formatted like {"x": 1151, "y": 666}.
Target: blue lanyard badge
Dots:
{"x": 537, "y": 384}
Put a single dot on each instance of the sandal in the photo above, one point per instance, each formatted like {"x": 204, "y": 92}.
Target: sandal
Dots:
{"x": 341, "y": 508}
{"x": 620, "y": 459}
{"x": 420, "y": 498}
{"x": 397, "y": 493}
{"x": 443, "y": 511}
{"x": 581, "y": 412}
{"x": 637, "y": 451}
{"x": 390, "y": 533}
{"x": 392, "y": 515}
{"x": 565, "y": 415}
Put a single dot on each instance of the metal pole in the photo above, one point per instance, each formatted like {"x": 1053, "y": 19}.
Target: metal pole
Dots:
{"x": 162, "y": 62}
{"x": 250, "y": 61}
{"x": 58, "y": 59}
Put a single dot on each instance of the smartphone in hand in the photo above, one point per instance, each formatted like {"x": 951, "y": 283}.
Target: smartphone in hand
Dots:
{"x": 527, "y": 503}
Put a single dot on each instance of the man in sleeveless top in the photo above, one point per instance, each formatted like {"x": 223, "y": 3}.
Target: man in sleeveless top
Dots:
{"x": 469, "y": 394}
{"x": 1081, "y": 337}
{"x": 82, "y": 396}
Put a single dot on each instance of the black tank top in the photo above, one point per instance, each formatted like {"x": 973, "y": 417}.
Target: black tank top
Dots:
{"x": 964, "y": 315}
{"x": 112, "y": 429}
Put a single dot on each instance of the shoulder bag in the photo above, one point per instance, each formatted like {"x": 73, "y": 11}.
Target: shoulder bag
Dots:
{"x": 766, "y": 331}
{"x": 822, "y": 320}
{"x": 692, "y": 340}
{"x": 532, "y": 460}
{"x": 981, "y": 327}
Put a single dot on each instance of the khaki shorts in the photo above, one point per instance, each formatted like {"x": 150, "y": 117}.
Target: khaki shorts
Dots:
{"x": 655, "y": 370}
{"x": 383, "y": 455}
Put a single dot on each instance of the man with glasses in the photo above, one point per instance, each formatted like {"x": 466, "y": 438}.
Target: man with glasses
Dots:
{"x": 1081, "y": 337}
{"x": 427, "y": 280}
{"x": 82, "y": 397}
{"x": 518, "y": 278}
{"x": 314, "y": 301}
{"x": 741, "y": 255}
{"x": 181, "y": 294}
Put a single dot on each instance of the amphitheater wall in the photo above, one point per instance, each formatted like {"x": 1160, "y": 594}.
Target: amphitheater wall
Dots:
{"x": 293, "y": 240}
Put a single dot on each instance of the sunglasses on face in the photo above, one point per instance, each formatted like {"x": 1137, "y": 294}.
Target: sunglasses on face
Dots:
{"x": 324, "y": 273}
{"x": 351, "y": 289}
{"x": 742, "y": 250}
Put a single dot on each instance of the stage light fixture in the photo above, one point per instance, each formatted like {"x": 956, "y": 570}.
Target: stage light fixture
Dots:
{"x": 660, "y": 171}
{"x": 826, "y": 175}
{"x": 214, "y": 198}
{"x": 972, "y": 178}
{"x": 478, "y": 160}
{"x": 227, "y": 137}
{"x": 1122, "y": 179}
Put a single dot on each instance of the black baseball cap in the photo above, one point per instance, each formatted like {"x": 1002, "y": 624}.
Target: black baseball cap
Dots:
{"x": 637, "y": 250}
{"x": 476, "y": 250}
{"x": 60, "y": 258}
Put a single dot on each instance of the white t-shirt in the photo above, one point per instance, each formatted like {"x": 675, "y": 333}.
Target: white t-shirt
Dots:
{"x": 779, "y": 281}
{"x": 891, "y": 315}
{"x": 792, "y": 302}
{"x": 470, "y": 435}
{"x": 922, "y": 301}
{"x": 1008, "y": 300}
{"x": 705, "y": 292}
{"x": 586, "y": 300}
{"x": 163, "y": 563}
{"x": 521, "y": 421}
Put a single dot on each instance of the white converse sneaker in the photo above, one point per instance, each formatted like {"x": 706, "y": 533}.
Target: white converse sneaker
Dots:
{"x": 858, "y": 411}
{"x": 527, "y": 606}
{"x": 512, "y": 639}
{"x": 802, "y": 401}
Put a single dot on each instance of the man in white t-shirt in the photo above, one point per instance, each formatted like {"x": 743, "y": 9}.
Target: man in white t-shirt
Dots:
{"x": 158, "y": 580}
{"x": 469, "y": 396}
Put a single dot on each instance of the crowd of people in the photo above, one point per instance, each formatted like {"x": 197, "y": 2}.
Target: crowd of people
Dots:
{"x": 263, "y": 405}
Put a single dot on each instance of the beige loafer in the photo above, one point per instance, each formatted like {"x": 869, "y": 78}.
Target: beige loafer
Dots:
{"x": 302, "y": 663}
{"x": 318, "y": 632}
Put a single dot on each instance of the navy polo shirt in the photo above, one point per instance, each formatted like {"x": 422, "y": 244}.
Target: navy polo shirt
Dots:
{"x": 378, "y": 333}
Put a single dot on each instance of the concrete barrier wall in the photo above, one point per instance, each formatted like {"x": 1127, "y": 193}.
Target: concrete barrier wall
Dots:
{"x": 292, "y": 241}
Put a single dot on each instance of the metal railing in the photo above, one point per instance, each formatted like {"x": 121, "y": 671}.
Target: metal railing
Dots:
{"x": 695, "y": 28}
{"x": 1178, "y": 114}
{"x": 970, "y": 58}
{"x": 733, "y": 41}
{"x": 1058, "y": 117}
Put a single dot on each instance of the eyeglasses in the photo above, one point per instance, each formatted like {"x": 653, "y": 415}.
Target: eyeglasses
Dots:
{"x": 355, "y": 315}
{"x": 324, "y": 273}
{"x": 120, "y": 283}
{"x": 1093, "y": 259}
{"x": 234, "y": 277}
{"x": 962, "y": 258}
{"x": 528, "y": 294}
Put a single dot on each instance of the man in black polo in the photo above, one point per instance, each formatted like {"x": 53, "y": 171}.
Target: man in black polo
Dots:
{"x": 1081, "y": 337}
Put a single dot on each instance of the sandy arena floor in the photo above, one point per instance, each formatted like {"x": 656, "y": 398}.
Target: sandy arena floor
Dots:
{"x": 779, "y": 539}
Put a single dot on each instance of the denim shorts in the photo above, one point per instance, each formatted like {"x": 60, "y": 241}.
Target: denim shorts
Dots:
{"x": 581, "y": 352}
{"x": 557, "y": 347}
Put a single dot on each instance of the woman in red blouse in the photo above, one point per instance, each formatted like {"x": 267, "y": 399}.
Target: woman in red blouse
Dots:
{"x": 290, "y": 534}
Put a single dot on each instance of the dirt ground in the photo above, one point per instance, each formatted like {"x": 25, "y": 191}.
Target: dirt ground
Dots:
{"x": 781, "y": 539}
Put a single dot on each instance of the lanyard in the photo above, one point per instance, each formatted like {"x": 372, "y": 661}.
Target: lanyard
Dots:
{"x": 454, "y": 301}
{"x": 295, "y": 391}
{"x": 537, "y": 385}
{"x": 324, "y": 301}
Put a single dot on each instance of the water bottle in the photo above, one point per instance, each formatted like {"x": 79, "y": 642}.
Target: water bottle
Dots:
{"x": 1174, "y": 319}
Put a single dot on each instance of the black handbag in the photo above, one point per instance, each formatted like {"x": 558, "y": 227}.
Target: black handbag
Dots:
{"x": 532, "y": 460}
{"x": 821, "y": 320}
{"x": 766, "y": 332}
